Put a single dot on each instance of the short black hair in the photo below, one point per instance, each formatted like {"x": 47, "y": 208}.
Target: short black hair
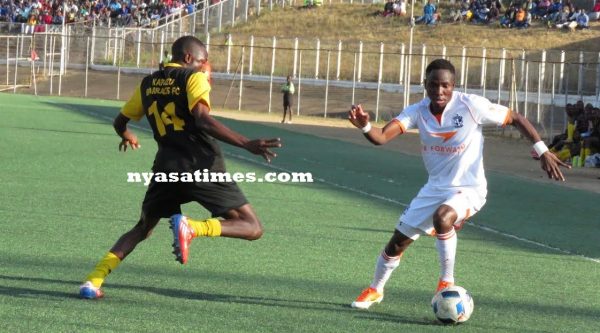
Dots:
{"x": 186, "y": 44}
{"x": 440, "y": 64}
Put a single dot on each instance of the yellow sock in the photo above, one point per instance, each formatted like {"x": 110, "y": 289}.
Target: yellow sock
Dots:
{"x": 207, "y": 228}
{"x": 103, "y": 268}
{"x": 570, "y": 131}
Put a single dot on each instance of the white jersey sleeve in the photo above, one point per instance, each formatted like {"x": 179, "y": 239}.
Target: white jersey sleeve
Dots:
{"x": 407, "y": 119}
{"x": 485, "y": 112}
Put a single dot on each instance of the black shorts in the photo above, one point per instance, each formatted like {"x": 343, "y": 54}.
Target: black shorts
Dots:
{"x": 287, "y": 102}
{"x": 164, "y": 199}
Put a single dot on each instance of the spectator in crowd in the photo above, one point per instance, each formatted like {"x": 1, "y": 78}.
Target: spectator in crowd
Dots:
{"x": 563, "y": 20}
{"x": 507, "y": 20}
{"x": 559, "y": 141}
{"x": 429, "y": 16}
{"x": 594, "y": 14}
{"x": 45, "y": 17}
{"x": 493, "y": 14}
{"x": 459, "y": 10}
{"x": 4, "y": 14}
{"x": 583, "y": 21}
{"x": 567, "y": 145}
{"x": 542, "y": 9}
{"x": 556, "y": 9}
{"x": 590, "y": 139}
{"x": 144, "y": 19}
{"x": 388, "y": 8}
{"x": 480, "y": 13}
{"x": 31, "y": 22}
{"x": 400, "y": 7}
{"x": 190, "y": 7}
{"x": 521, "y": 19}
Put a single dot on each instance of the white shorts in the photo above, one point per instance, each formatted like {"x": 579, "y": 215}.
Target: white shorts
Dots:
{"x": 416, "y": 220}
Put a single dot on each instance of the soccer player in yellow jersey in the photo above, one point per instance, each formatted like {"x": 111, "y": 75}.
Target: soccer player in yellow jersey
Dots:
{"x": 176, "y": 102}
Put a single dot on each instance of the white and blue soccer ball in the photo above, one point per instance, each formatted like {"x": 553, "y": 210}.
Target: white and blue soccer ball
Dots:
{"x": 452, "y": 305}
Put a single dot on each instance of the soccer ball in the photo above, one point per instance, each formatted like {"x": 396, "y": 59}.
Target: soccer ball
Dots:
{"x": 452, "y": 305}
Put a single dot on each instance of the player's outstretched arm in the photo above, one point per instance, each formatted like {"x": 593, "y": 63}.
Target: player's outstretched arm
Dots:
{"x": 549, "y": 162}
{"x": 377, "y": 136}
{"x": 222, "y": 133}
{"x": 127, "y": 136}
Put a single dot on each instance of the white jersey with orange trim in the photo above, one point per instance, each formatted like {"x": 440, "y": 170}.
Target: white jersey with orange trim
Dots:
{"x": 452, "y": 148}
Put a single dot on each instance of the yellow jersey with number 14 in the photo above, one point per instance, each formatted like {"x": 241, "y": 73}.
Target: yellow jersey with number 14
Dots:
{"x": 167, "y": 97}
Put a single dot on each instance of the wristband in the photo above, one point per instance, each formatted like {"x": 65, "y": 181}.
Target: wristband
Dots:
{"x": 367, "y": 128}
{"x": 540, "y": 148}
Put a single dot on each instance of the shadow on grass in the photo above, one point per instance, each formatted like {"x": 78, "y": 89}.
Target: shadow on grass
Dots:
{"x": 501, "y": 305}
{"x": 21, "y": 292}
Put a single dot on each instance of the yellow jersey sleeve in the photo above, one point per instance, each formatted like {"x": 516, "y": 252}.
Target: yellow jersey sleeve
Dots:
{"x": 134, "y": 109}
{"x": 198, "y": 90}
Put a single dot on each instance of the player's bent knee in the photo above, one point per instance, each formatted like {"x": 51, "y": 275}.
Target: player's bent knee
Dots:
{"x": 444, "y": 218}
{"x": 256, "y": 231}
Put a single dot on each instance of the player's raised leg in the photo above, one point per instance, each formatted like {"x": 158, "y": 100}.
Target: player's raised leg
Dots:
{"x": 90, "y": 289}
{"x": 387, "y": 262}
{"x": 240, "y": 223}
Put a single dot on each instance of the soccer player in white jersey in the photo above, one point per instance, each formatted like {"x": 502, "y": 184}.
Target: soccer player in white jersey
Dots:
{"x": 450, "y": 127}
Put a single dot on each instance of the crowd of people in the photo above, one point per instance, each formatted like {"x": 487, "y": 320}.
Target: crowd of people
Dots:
{"x": 35, "y": 14}
{"x": 581, "y": 139}
{"x": 561, "y": 14}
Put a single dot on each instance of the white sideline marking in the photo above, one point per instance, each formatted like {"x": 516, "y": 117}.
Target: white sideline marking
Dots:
{"x": 376, "y": 196}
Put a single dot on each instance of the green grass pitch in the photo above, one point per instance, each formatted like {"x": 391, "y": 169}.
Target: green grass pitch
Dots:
{"x": 65, "y": 200}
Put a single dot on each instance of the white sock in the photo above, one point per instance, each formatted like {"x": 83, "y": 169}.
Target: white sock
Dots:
{"x": 446, "y": 246}
{"x": 383, "y": 270}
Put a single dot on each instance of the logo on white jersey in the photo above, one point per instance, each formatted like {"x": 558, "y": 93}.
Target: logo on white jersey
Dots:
{"x": 457, "y": 120}
{"x": 444, "y": 135}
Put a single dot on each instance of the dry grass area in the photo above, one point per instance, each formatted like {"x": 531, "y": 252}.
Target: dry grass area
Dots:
{"x": 357, "y": 22}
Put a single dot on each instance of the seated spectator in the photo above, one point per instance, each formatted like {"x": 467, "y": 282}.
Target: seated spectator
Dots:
{"x": 566, "y": 146}
{"x": 429, "y": 16}
{"x": 45, "y": 18}
{"x": 400, "y": 7}
{"x": 189, "y": 9}
{"x": 542, "y": 8}
{"x": 493, "y": 14}
{"x": 594, "y": 14}
{"x": 58, "y": 18}
{"x": 3, "y": 14}
{"x": 591, "y": 139}
{"x": 480, "y": 14}
{"x": 507, "y": 20}
{"x": 562, "y": 20}
{"x": 521, "y": 19}
{"x": 144, "y": 19}
{"x": 31, "y": 22}
{"x": 459, "y": 11}
{"x": 583, "y": 21}
{"x": 554, "y": 11}
{"x": 71, "y": 16}
{"x": 497, "y": 3}
{"x": 154, "y": 17}
{"x": 388, "y": 8}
